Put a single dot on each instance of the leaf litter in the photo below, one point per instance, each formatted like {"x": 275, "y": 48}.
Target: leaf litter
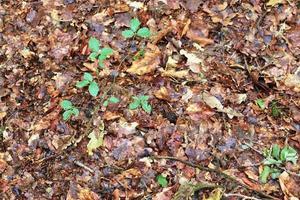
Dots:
{"x": 221, "y": 81}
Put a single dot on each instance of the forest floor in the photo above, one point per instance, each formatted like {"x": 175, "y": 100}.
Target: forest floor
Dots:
{"x": 155, "y": 99}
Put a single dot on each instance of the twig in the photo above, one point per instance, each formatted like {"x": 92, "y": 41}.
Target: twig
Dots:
{"x": 80, "y": 164}
{"x": 244, "y": 197}
{"x": 217, "y": 171}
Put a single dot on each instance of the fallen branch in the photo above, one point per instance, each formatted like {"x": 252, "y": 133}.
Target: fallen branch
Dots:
{"x": 217, "y": 171}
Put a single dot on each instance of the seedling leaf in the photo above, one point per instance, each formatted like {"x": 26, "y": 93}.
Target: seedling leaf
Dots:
{"x": 105, "y": 103}
{"x": 105, "y": 52}
{"x": 135, "y": 24}
{"x": 275, "y": 151}
{"x": 147, "y": 107}
{"x": 265, "y": 174}
{"x": 134, "y": 105}
{"x": 289, "y": 154}
{"x": 88, "y": 77}
{"x": 93, "y": 56}
{"x": 94, "y": 44}
{"x": 162, "y": 181}
{"x": 93, "y": 89}
{"x": 144, "y": 32}
{"x": 82, "y": 83}
{"x": 114, "y": 99}
{"x": 66, "y": 104}
{"x": 67, "y": 115}
{"x": 260, "y": 103}
{"x": 127, "y": 33}
{"x": 75, "y": 111}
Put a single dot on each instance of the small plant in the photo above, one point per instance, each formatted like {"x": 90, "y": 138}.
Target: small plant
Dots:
{"x": 69, "y": 109}
{"x": 88, "y": 81}
{"x": 276, "y": 111}
{"x": 141, "y": 101}
{"x": 111, "y": 100}
{"x": 97, "y": 53}
{"x": 140, "y": 54}
{"x": 135, "y": 23}
{"x": 260, "y": 103}
{"x": 274, "y": 158}
{"x": 162, "y": 180}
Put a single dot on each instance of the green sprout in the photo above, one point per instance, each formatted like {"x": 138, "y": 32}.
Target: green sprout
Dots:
{"x": 97, "y": 53}
{"x": 260, "y": 103}
{"x": 69, "y": 109}
{"x": 88, "y": 81}
{"x": 162, "y": 180}
{"x": 140, "y": 54}
{"x": 274, "y": 158}
{"x": 135, "y": 23}
{"x": 111, "y": 100}
{"x": 141, "y": 101}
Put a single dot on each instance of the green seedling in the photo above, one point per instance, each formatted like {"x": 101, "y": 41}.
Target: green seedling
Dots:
{"x": 162, "y": 181}
{"x": 260, "y": 103}
{"x": 111, "y": 100}
{"x": 276, "y": 111}
{"x": 274, "y": 158}
{"x": 88, "y": 81}
{"x": 141, "y": 101}
{"x": 69, "y": 109}
{"x": 135, "y": 29}
{"x": 97, "y": 53}
{"x": 140, "y": 54}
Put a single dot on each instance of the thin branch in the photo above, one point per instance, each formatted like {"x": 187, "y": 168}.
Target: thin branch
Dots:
{"x": 244, "y": 197}
{"x": 217, "y": 171}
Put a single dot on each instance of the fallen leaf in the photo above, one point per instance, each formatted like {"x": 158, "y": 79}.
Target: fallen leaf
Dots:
{"x": 96, "y": 138}
{"x": 212, "y": 101}
{"x": 288, "y": 186}
{"x": 193, "y": 61}
{"x": 175, "y": 74}
{"x": 293, "y": 80}
{"x": 216, "y": 194}
{"x": 147, "y": 64}
{"x": 86, "y": 194}
{"x": 274, "y": 2}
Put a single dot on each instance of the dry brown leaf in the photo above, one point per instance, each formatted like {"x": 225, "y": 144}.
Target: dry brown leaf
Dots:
{"x": 147, "y": 64}
{"x": 196, "y": 36}
{"x": 288, "y": 186}
{"x": 45, "y": 122}
{"x": 293, "y": 81}
{"x": 162, "y": 93}
{"x": 86, "y": 194}
{"x": 175, "y": 74}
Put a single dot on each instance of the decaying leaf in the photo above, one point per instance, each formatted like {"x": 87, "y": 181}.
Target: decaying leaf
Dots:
{"x": 214, "y": 102}
{"x": 193, "y": 61}
{"x": 148, "y": 64}
{"x": 274, "y": 2}
{"x": 175, "y": 74}
{"x": 96, "y": 138}
{"x": 293, "y": 80}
